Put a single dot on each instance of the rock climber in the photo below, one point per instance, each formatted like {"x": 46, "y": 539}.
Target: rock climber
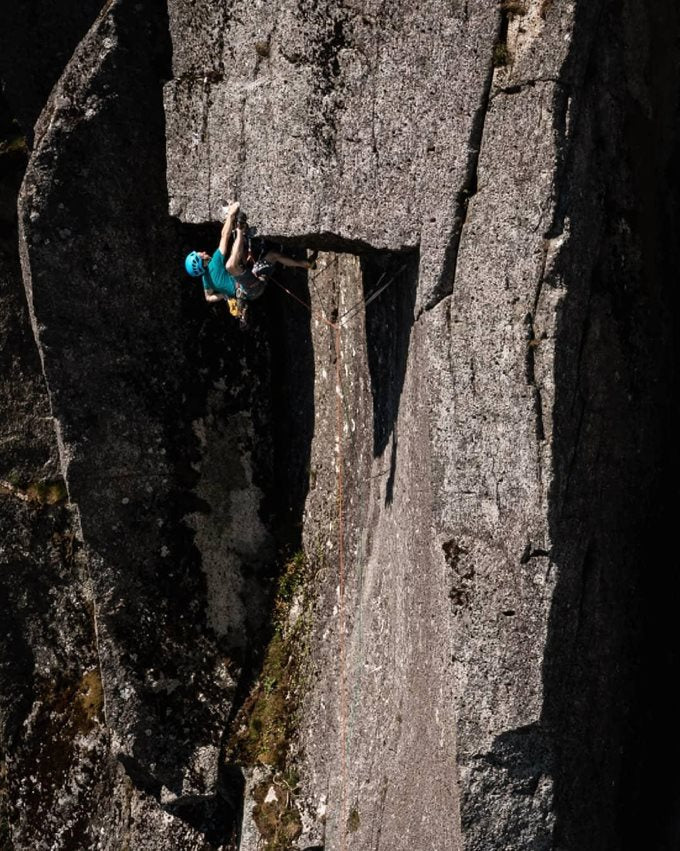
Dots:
{"x": 231, "y": 279}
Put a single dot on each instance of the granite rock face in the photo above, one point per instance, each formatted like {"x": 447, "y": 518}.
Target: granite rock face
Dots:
{"x": 489, "y": 537}
{"x": 50, "y": 747}
{"x": 133, "y": 419}
{"x": 311, "y": 114}
{"x": 467, "y": 426}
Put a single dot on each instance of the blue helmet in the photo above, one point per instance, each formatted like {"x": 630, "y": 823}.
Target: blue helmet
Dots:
{"x": 194, "y": 264}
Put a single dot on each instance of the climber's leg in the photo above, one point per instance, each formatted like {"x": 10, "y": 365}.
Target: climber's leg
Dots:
{"x": 235, "y": 262}
{"x": 284, "y": 260}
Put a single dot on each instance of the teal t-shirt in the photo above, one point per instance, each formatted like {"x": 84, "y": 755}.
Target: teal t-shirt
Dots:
{"x": 217, "y": 278}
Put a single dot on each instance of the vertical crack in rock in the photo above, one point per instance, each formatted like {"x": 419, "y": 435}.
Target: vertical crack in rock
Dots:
{"x": 205, "y": 138}
{"x": 495, "y": 436}
{"x": 510, "y": 459}
{"x": 386, "y": 547}
{"x": 388, "y": 330}
{"x": 449, "y": 267}
{"x": 374, "y": 98}
{"x": 532, "y": 343}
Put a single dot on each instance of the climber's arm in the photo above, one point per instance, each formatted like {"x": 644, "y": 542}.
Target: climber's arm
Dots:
{"x": 228, "y": 227}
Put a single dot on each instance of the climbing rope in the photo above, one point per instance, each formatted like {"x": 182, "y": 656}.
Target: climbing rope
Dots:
{"x": 341, "y": 580}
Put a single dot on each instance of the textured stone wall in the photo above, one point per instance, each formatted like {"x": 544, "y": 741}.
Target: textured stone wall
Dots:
{"x": 51, "y": 744}
{"x": 136, "y": 374}
{"x": 320, "y": 116}
{"x": 503, "y": 174}
{"x": 479, "y": 464}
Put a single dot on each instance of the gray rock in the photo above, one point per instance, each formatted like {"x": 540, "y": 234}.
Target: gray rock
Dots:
{"x": 478, "y": 463}
{"x": 462, "y": 573}
{"x": 347, "y": 109}
{"x": 112, "y": 336}
{"x": 52, "y": 746}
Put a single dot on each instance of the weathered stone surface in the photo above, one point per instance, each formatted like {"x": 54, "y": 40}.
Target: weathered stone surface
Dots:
{"x": 52, "y": 749}
{"x": 374, "y": 716}
{"x": 478, "y": 462}
{"x": 319, "y": 116}
{"x": 487, "y": 399}
{"x": 142, "y": 389}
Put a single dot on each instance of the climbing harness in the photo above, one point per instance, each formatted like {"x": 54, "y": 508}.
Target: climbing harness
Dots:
{"x": 238, "y": 308}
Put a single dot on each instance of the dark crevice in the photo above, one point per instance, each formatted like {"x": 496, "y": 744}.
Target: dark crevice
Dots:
{"x": 328, "y": 71}
{"x": 332, "y": 242}
{"x": 389, "y": 319}
{"x": 501, "y": 56}
{"x": 521, "y": 85}
{"x": 578, "y": 69}
{"x": 608, "y": 720}
{"x": 158, "y": 633}
{"x": 446, "y": 282}
{"x": 532, "y": 343}
{"x": 285, "y": 427}
{"x": 533, "y": 552}
{"x": 277, "y": 348}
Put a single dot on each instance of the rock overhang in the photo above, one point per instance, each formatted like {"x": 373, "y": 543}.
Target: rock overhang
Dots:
{"x": 345, "y": 120}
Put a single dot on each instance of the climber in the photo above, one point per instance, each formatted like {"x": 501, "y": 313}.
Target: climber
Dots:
{"x": 233, "y": 279}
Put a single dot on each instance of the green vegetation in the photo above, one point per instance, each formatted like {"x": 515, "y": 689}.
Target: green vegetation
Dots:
{"x": 66, "y": 710}
{"x": 80, "y": 705}
{"x": 14, "y": 145}
{"x": 47, "y": 493}
{"x": 353, "y": 820}
{"x": 89, "y": 700}
{"x": 290, "y": 582}
{"x": 40, "y": 493}
{"x": 271, "y": 709}
{"x": 275, "y": 814}
{"x": 12, "y": 139}
{"x": 501, "y": 55}
{"x": 514, "y": 7}
{"x": 268, "y": 717}
{"x": 266, "y": 726}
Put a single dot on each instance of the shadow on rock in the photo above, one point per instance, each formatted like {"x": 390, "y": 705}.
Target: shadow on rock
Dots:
{"x": 612, "y": 646}
{"x": 389, "y": 319}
